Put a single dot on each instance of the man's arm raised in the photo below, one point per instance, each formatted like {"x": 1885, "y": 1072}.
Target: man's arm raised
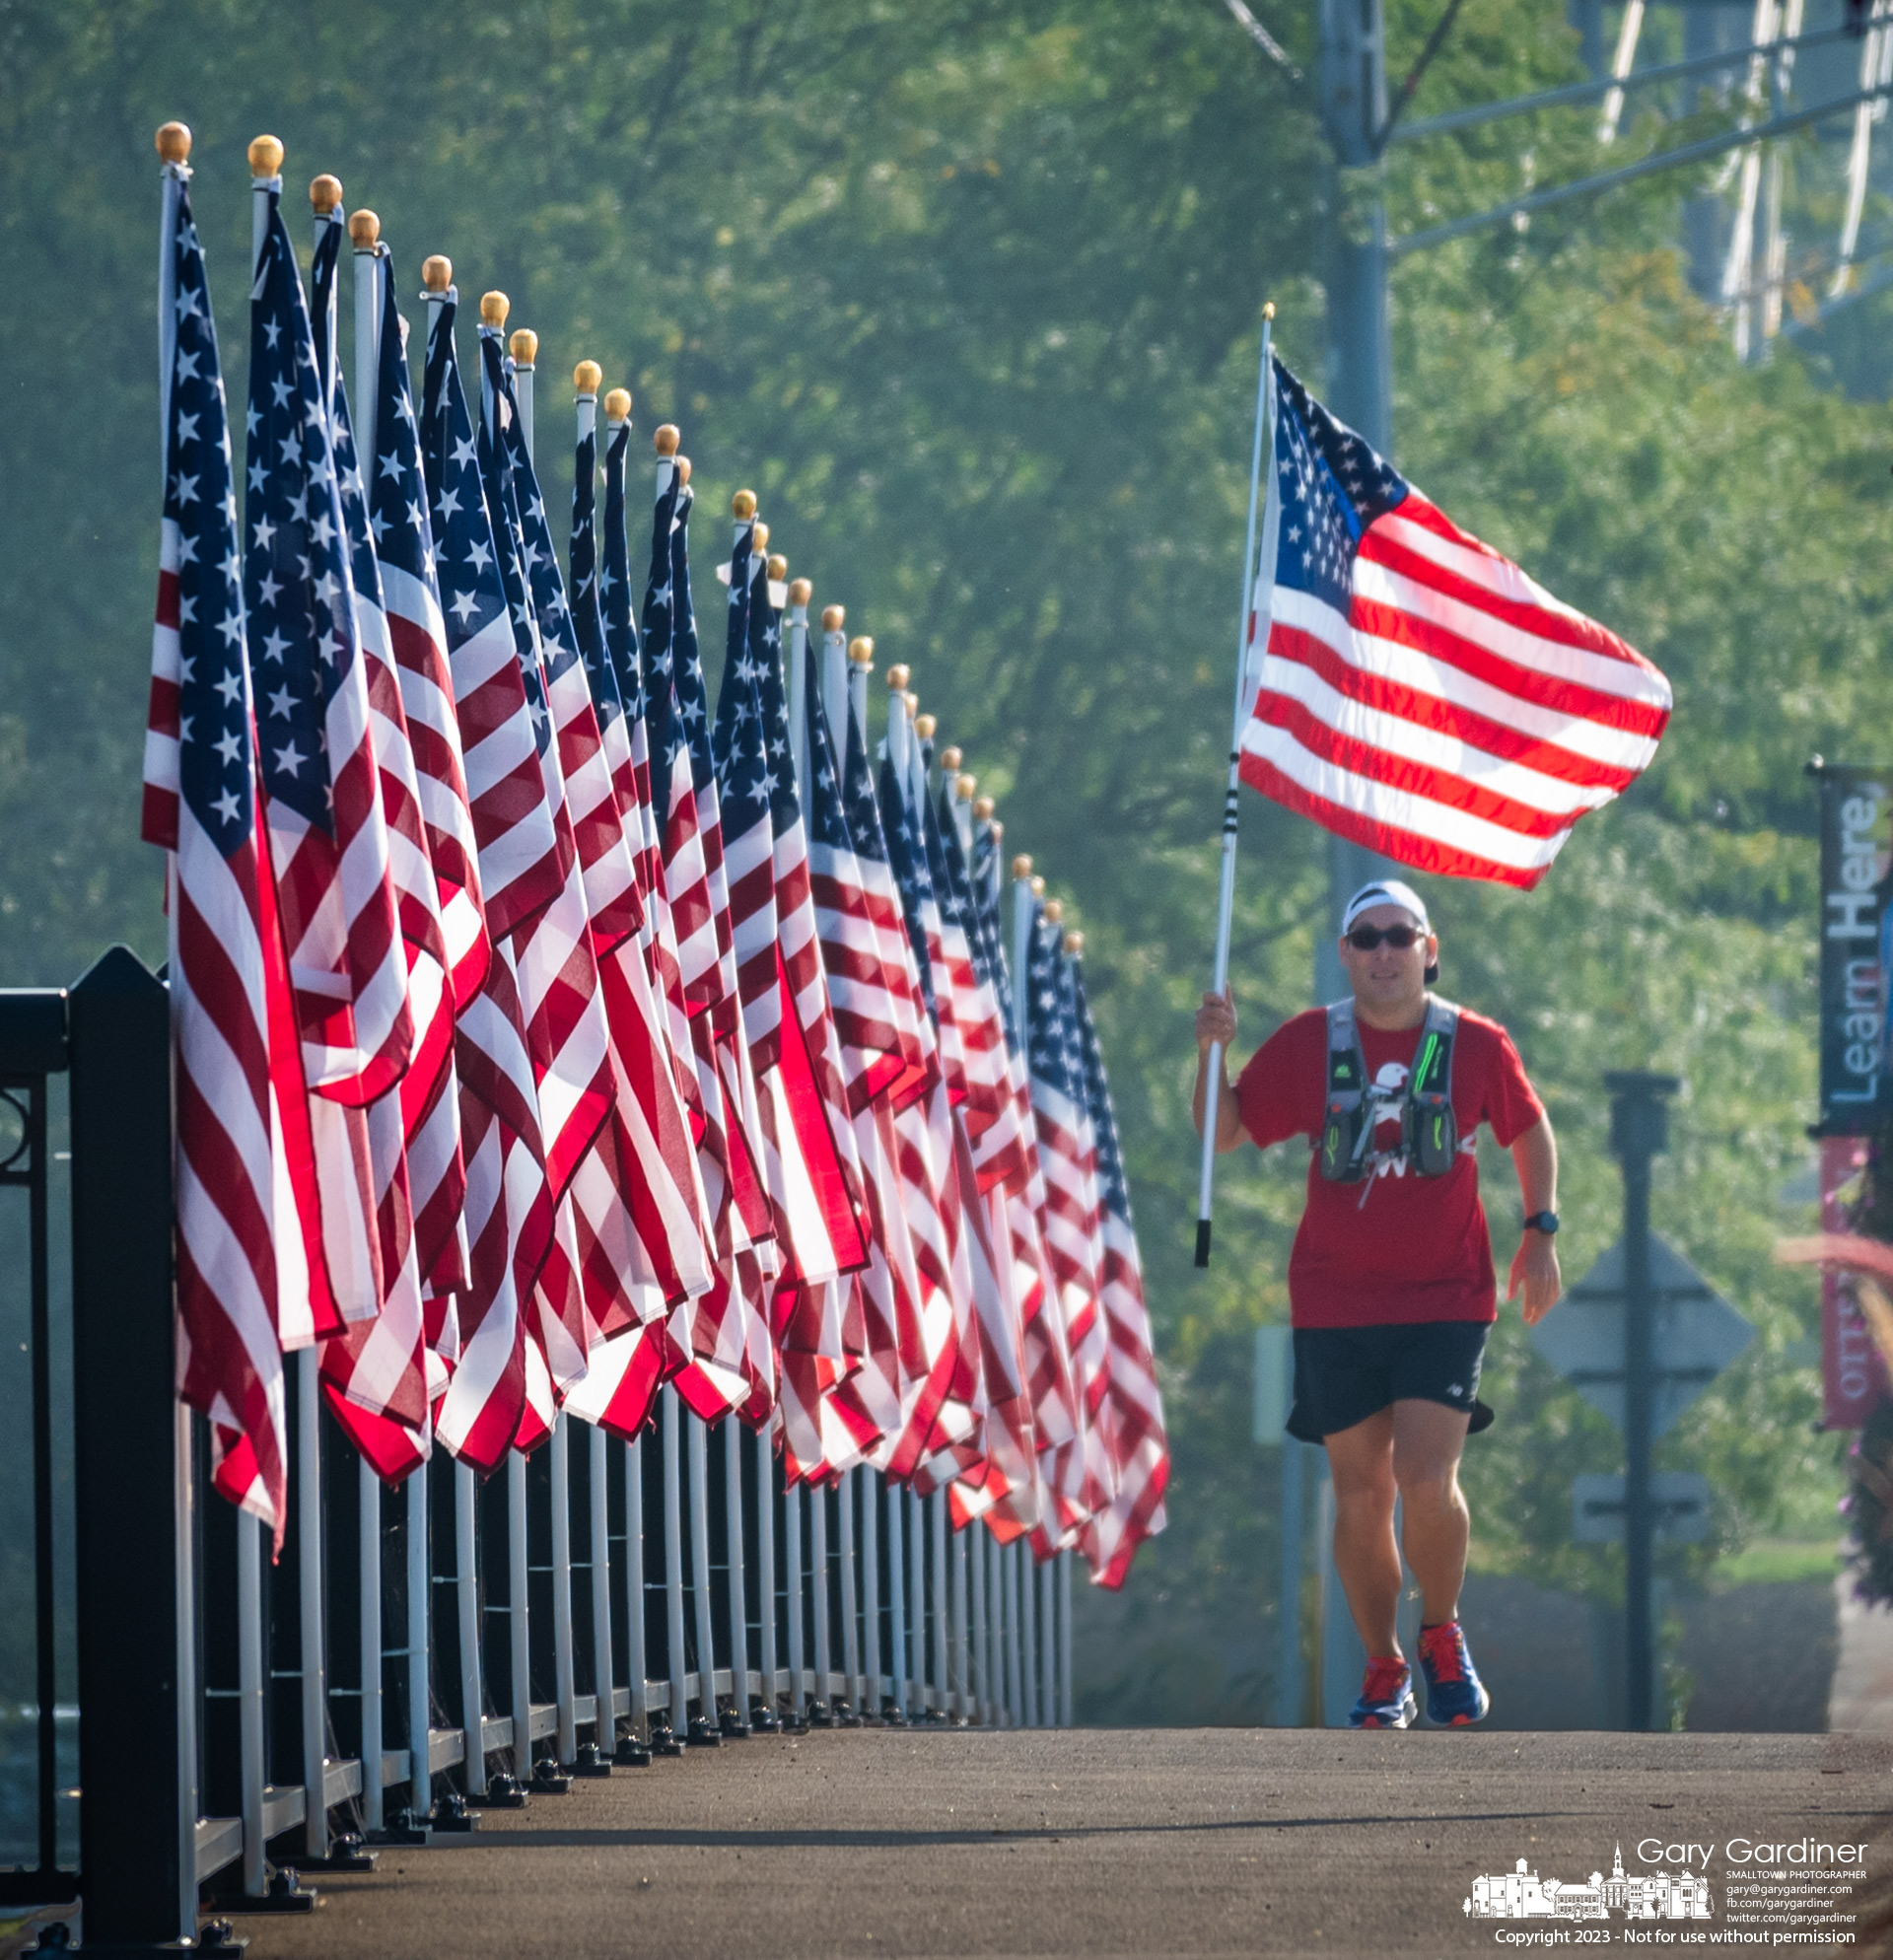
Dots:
{"x": 1215, "y": 1024}
{"x": 1534, "y": 1266}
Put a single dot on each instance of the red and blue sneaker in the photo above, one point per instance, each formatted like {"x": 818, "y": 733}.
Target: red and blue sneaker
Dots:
{"x": 1456, "y": 1697}
{"x": 1386, "y": 1699}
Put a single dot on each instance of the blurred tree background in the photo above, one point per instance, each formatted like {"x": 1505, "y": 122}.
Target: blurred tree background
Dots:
{"x": 970, "y": 296}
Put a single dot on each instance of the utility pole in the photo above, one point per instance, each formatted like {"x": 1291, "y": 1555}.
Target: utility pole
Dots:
{"x": 1638, "y": 1130}
{"x": 1359, "y": 352}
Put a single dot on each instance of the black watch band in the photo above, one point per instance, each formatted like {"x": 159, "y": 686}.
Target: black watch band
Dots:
{"x": 1545, "y": 1222}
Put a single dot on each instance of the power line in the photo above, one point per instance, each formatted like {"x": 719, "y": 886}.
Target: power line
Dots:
{"x": 1689, "y": 153}
{"x": 1593, "y": 90}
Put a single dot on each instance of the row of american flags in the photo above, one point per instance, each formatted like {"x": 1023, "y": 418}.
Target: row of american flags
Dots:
{"x": 546, "y": 1032}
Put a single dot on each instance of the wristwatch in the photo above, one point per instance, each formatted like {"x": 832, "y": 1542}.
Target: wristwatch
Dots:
{"x": 1545, "y": 1222}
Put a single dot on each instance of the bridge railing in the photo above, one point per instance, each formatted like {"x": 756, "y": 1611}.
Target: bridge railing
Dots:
{"x": 414, "y": 1654}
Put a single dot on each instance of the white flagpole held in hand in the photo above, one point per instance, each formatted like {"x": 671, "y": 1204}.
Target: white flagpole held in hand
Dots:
{"x": 1225, "y": 901}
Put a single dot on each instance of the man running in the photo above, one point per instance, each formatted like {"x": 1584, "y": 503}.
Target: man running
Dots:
{"x": 1390, "y": 1282}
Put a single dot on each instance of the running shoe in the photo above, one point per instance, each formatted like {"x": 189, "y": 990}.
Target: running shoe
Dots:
{"x": 1455, "y": 1696}
{"x": 1386, "y": 1700}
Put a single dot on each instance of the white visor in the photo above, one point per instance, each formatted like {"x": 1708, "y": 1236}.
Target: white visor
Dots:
{"x": 1385, "y": 891}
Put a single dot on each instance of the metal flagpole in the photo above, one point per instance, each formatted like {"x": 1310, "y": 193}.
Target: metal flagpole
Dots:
{"x": 1027, "y": 1632}
{"x": 565, "y": 1684}
{"x": 1226, "y": 896}
{"x": 819, "y": 1711}
{"x": 739, "y": 1592}
{"x": 518, "y": 1632}
{"x": 962, "y": 1658}
{"x": 766, "y": 1659}
{"x": 704, "y": 1728}
{"x": 1048, "y": 1643}
{"x": 941, "y": 1624}
{"x": 850, "y": 1629}
{"x": 265, "y": 162}
{"x": 896, "y": 1591}
{"x": 869, "y": 1595}
{"x": 916, "y": 1601}
{"x": 467, "y": 1599}
{"x": 980, "y": 1629}
{"x": 1015, "y": 1669}
{"x": 604, "y": 1684}
{"x": 1068, "y": 1687}
{"x": 308, "y": 1576}
{"x": 797, "y": 1656}
{"x": 637, "y": 1654}
{"x": 679, "y": 1711}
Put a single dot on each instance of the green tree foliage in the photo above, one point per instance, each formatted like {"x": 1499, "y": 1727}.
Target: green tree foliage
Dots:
{"x": 969, "y": 296}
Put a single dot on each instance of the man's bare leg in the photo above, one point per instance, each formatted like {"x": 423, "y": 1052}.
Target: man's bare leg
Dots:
{"x": 1360, "y": 1463}
{"x": 1435, "y": 1524}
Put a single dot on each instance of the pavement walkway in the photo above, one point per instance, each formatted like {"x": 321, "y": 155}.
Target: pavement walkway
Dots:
{"x": 1093, "y": 1841}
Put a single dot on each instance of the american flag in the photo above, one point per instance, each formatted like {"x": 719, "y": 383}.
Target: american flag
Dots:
{"x": 1416, "y": 691}
{"x": 327, "y": 831}
{"x": 375, "y": 1373}
{"x": 1139, "y": 1447}
{"x": 658, "y": 1187}
{"x": 509, "y": 1211}
{"x": 201, "y": 803}
{"x": 404, "y": 536}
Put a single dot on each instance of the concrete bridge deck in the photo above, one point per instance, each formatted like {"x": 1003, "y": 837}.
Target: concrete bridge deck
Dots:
{"x": 1089, "y": 1841}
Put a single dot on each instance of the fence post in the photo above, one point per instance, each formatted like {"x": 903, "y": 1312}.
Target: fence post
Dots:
{"x": 1027, "y": 1630}
{"x": 137, "y": 1729}
{"x": 898, "y": 1602}
{"x": 963, "y": 1656}
{"x": 466, "y": 1590}
{"x": 1068, "y": 1704}
{"x": 942, "y": 1624}
{"x": 679, "y": 1711}
{"x": 420, "y": 1781}
{"x": 604, "y": 1733}
{"x": 916, "y": 1602}
{"x": 821, "y": 1708}
{"x": 637, "y": 1658}
{"x": 703, "y": 1729}
{"x": 1048, "y": 1643}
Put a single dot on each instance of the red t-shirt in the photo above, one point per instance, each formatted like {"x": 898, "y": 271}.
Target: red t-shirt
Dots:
{"x": 1418, "y": 1248}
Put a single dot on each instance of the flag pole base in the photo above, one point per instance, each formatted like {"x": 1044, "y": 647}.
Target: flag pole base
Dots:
{"x": 733, "y": 1725}
{"x": 283, "y": 1894}
{"x": 449, "y": 1813}
{"x": 591, "y": 1760}
{"x": 632, "y": 1754}
{"x": 502, "y": 1792}
{"x": 1202, "y": 1241}
{"x": 347, "y": 1852}
{"x": 548, "y": 1779}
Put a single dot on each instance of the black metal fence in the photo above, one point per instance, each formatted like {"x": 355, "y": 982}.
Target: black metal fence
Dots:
{"x": 184, "y": 1723}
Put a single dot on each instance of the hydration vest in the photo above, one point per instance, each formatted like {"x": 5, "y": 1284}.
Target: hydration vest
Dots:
{"x": 1352, "y": 1109}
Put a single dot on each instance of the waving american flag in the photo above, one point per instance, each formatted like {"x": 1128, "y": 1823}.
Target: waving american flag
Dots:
{"x": 1416, "y": 691}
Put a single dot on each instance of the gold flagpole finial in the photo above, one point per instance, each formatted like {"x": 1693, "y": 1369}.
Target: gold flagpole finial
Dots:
{"x": 617, "y": 405}
{"x": 743, "y": 506}
{"x": 983, "y": 808}
{"x": 1075, "y": 945}
{"x": 364, "y": 230}
{"x": 861, "y": 649}
{"x": 437, "y": 273}
{"x": 1023, "y": 866}
{"x": 665, "y": 439}
{"x": 494, "y": 308}
{"x": 1268, "y": 309}
{"x": 1039, "y": 887}
{"x": 1055, "y": 911}
{"x": 325, "y": 193}
{"x": 759, "y": 537}
{"x": 923, "y": 727}
{"x": 173, "y": 142}
{"x": 266, "y": 155}
{"x": 950, "y": 760}
{"x": 586, "y": 376}
{"x": 834, "y": 618}
{"x": 523, "y": 347}
{"x": 964, "y": 786}
{"x": 898, "y": 678}
{"x": 779, "y": 569}
{"x": 801, "y": 592}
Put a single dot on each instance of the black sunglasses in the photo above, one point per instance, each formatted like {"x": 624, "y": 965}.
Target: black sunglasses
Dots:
{"x": 1364, "y": 938}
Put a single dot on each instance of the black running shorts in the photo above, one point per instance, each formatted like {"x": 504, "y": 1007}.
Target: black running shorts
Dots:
{"x": 1344, "y": 1374}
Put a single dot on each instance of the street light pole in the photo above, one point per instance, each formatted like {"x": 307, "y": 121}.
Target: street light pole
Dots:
{"x": 1638, "y": 1130}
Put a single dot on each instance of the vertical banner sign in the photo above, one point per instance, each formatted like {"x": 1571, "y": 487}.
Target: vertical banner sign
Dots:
{"x": 1856, "y": 848}
{"x": 1856, "y": 819}
{"x": 1853, "y": 1376}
